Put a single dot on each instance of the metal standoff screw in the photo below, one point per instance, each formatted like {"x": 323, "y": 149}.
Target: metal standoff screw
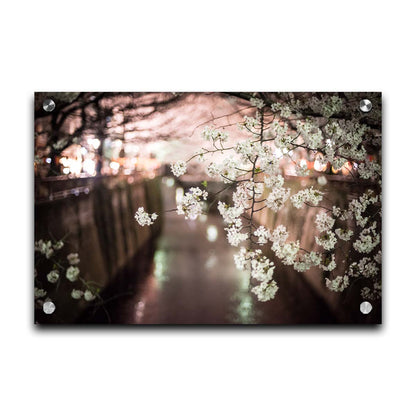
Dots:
{"x": 366, "y": 105}
{"x": 49, "y": 105}
{"x": 366, "y": 308}
{"x": 49, "y": 308}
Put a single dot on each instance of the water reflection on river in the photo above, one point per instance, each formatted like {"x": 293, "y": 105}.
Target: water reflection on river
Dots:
{"x": 193, "y": 280}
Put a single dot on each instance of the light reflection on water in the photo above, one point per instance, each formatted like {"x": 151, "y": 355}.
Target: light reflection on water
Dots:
{"x": 212, "y": 233}
{"x": 139, "y": 307}
{"x": 212, "y": 260}
{"x": 243, "y": 310}
{"x": 160, "y": 266}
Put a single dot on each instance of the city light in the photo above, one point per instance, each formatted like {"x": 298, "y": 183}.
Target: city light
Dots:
{"x": 115, "y": 166}
{"x": 318, "y": 166}
{"x": 70, "y": 165}
{"x": 89, "y": 167}
{"x": 95, "y": 143}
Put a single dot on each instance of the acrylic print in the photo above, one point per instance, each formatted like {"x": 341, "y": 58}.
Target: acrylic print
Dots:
{"x": 239, "y": 208}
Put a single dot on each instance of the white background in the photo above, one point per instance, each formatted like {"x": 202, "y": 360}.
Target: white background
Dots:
{"x": 216, "y": 45}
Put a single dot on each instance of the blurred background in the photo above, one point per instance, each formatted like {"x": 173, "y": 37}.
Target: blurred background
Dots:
{"x": 99, "y": 156}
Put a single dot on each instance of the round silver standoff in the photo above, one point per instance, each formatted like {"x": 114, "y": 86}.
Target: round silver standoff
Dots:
{"x": 49, "y": 308}
{"x": 49, "y": 105}
{"x": 366, "y": 308}
{"x": 366, "y": 105}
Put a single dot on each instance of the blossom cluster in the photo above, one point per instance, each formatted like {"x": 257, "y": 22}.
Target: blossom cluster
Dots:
{"x": 263, "y": 235}
{"x": 48, "y": 248}
{"x": 72, "y": 273}
{"x": 73, "y": 259}
{"x": 328, "y": 263}
{"x": 53, "y": 276}
{"x": 311, "y": 135}
{"x": 257, "y": 102}
{"x": 279, "y": 237}
{"x": 327, "y": 240}
{"x": 344, "y": 234}
{"x": 287, "y": 252}
{"x": 87, "y": 295}
{"x": 248, "y": 149}
{"x": 277, "y": 198}
{"x": 143, "y": 218}
{"x": 284, "y": 109}
{"x": 249, "y": 123}
{"x": 308, "y": 195}
{"x": 328, "y": 105}
{"x": 230, "y": 215}
{"x": 213, "y": 135}
{"x": 265, "y": 291}
{"x": 235, "y": 236}
{"x": 372, "y": 294}
{"x": 283, "y": 139}
{"x": 192, "y": 203}
{"x": 369, "y": 169}
{"x": 324, "y": 222}
{"x": 178, "y": 168}
{"x": 339, "y": 284}
{"x": 367, "y": 240}
{"x": 228, "y": 171}
{"x": 261, "y": 269}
